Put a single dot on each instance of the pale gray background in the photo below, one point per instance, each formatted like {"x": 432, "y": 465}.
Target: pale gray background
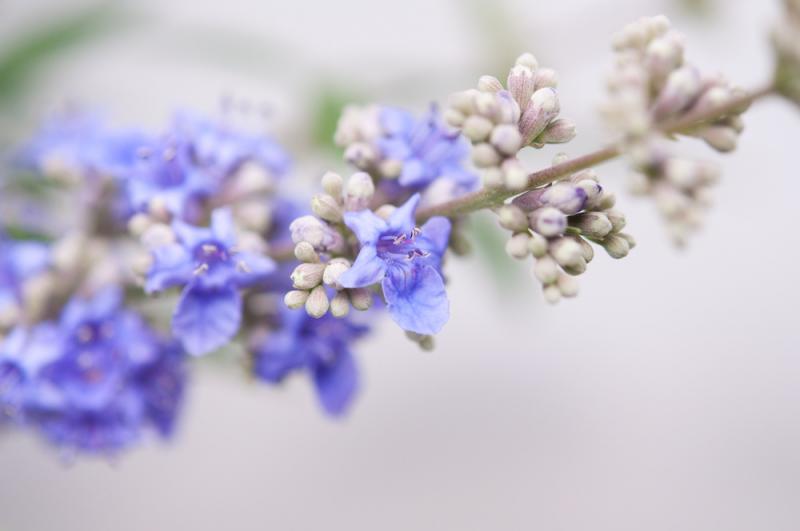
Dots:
{"x": 667, "y": 397}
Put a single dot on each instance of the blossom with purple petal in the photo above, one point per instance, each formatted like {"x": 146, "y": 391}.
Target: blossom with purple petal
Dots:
{"x": 195, "y": 160}
{"x": 94, "y": 379}
{"x": 406, "y": 260}
{"x": 319, "y": 346}
{"x": 206, "y": 262}
{"x": 19, "y": 261}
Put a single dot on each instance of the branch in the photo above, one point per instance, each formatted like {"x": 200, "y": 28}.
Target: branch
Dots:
{"x": 489, "y": 197}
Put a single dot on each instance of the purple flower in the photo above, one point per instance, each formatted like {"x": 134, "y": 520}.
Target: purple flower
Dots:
{"x": 206, "y": 262}
{"x": 427, "y": 149}
{"x": 406, "y": 261}
{"x": 319, "y": 346}
{"x": 193, "y": 162}
{"x": 19, "y": 261}
{"x": 94, "y": 379}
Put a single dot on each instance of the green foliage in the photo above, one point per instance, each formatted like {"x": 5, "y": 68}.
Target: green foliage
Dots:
{"x": 327, "y": 106}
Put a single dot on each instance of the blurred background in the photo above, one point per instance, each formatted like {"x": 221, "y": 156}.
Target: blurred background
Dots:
{"x": 667, "y": 396}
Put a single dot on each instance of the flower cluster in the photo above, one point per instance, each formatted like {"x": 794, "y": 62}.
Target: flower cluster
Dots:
{"x": 92, "y": 379}
{"x": 651, "y": 89}
{"x": 404, "y": 154}
{"x": 500, "y": 122}
{"x": 555, "y": 224}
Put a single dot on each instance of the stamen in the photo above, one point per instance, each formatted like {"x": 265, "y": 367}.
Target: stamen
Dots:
{"x": 202, "y": 268}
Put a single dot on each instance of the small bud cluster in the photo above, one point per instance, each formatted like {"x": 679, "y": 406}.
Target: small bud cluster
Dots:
{"x": 499, "y": 121}
{"x": 651, "y": 87}
{"x": 786, "y": 42}
{"x": 555, "y": 224}
{"x": 318, "y": 244}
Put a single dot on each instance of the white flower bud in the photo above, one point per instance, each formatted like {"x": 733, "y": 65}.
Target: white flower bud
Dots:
{"x": 333, "y": 184}
{"x": 359, "y": 191}
{"x": 720, "y": 137}
{"x": 340, "y": 305}
{"x": 307, "y": 276}
{"x": 485, "y": 156}
{"x": 537, "y": 245}
{"x": 546, "y": 270}
{"x": 334, "y": 270}
{"x": 617, "y": 220}
{"x": 295, "y": 299}
{"x": 308, "y": 229}
{"x": 567, "y": 252}
{"x": 477, "y": 128}
{"x": 568, "y": 285}
{"x": 317, "y": 303}
{"x": 565, "y": 196}
{"x": 548, "y": 221}
{"x": 586, "y": 248}
{"x": 326, "y": 207}
{"x": 360, "y": 298}
{"x": 552, "y": 294}
{"x": 514, "y": 175}
{"x": 139, "y": 223}
{"x": 506, "y": 139}
{"x": 157, "y": 208}
{"x": 559, "y": 131}
{"x": 493, "y": 178}
{"x": 595, "y": 225}
{"x": 385, "y": 211}
{"x": 305, "y": 252}
{"x": 464, "y": 101}
{"x": 361, "y": 155}
{"x": 607, "y": 200}
{"x": 527, "y": 59}
{"x": 682, "y": 87}
{"x": 628, "y": 238}
{"x": 545, "y": 78}
{"x": 454, "y": 118}
{"x": 489, "y": 84}
{"x": 141, "y": 264}
{"x": 390, "y": 168}
{"x": 512, "y": 218}
{"x": 517, "y": 246}
{"x": 578, "y": 268}
{"x": 543, "y": 108}
{"x": 616, "y": 246}
{"x": 521, "y": 85}
{"x": 251, "y": 178}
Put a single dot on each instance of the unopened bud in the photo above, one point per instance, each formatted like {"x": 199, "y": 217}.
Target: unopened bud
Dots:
{"x": 340, "y": 304}
{"x": 360, "y": 298}
{"x": 567, "y": 252}
{"x": 485, "y": 156}
{"x": 335, "y": 268}
{"x": 566, "y": 197}
{"x": 720, "y": 137}
{"x": 139, "y": 223}
{"x": 489, "y": 84}
{"x": 506, "y": 139}
{"x": 295, "y": 299}
{"x": 682, "y": 87}
{"x": 616, "y": 246}
{"x": 545, "y": 78}
{"x": 326, "y": 207}
{"x": 307, "y": 276}
{"x": 359, "y": 191}
{"x": 559, "y": 131}
{"x": 537, "y": 245}
{"x": 552, "y": 294}
{"x": 517, "y": 246}
{"x": 512, "y": 218}
{"x": 521, "y": 85}
{"x": 317, "y": 303}
{"x": 548, "y": 221}
{"x": 158, "y": 235}
{"x": 617, "y": 220}
{"x": 333, "y": 184}
{"x": 542, "y": 110}
{"x": 527, "y": 59}
{"x": 477, "y": 128}
{"x": 595, "y": 225}
{"x": 546, "y": 270}
{"x": 514, "y": 175}
{"x": 305, "y": 252}
{"x": 568, "y": 286}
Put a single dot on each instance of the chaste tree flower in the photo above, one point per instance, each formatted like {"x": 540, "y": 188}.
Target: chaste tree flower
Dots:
{"x": 91, "y": 380}
{"x": 406, "y": 261}
{"x": 19, "y": 261}
{"x": 320, "y": 347}
{"x": 211, "y": 269}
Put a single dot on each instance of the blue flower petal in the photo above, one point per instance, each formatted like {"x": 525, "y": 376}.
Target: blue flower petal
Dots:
{"x": 436, "y": 233}
{"x": 172, "y": 266}
{"x": 365, "y": 224}
{"x": 190, "y": 235}
{"x": 413, "y": 173}
{"x": 367, "y": 269}
{"x": 223, "y": 227}
{"x": 336, "y": 383}
{"x": 416, "y": 298}
{"x": 252, "y": 267}
{"x": 402, "y": 219}
{"x": 207, "y": 319}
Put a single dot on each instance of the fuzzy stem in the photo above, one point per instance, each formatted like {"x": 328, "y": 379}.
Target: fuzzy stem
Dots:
{"x": 491, "y": 197}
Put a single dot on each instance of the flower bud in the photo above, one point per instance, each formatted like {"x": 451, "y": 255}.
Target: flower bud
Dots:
{"x": 340, "y": 304}
{"x": 617, "y": 220}
{"x": 682, "y": 87}
{"x": 568, "y": 286}
{"x": 616, "y": 246}
{"x": 360, "y": 298}
{"x": 567, "y": 252}
{"x": 489, "y": 84}
{"x": 521, "y": 85}
{"x": 477, "y": 128}
{"x": 566, "y": 197}
{"x": 307, "y": 276}
{"x": 308, "y": 229}
{"x": 493, "y": 177}
{"x": 158, "y": 235}
{"x": 586, "y": 248}
{"x": 390, "y": 168}
{"x": 546, "y": 270}
{"x": 559, "y": 131}
{"x": 305, "y": 252}
{"x": 295, "y": 299}
{"x": 514, "y": 175}
{"x": 139, "y": 223}
{"x": 334, "y": 270}
{"x": 333, "y": 184}
{"x": 578, "y": 268}
{"x": 527, "y": 59}
{"x": 326, "y": 207}
{"x": 548, "y": 221}
{"x": 543, "y": 108}
{"x": 464, "y": 101}
{"x": 506, "y": 139}
{"x": 485, "y": 156}
{"x": 537, "y": 245}
{"x": 517, "y": 246}
{"x": 720, "y": 137}
{"x": 361, "y": 155}
{"x": 454, "y": 118}
{"x": 359, "y": 191}
{"x": 595, "y": 225}
{"x": 552, "y": 294}
{"x": 317, "y": 303}
{"x": 512, "y": 218}
{"x": 545, "y": 78}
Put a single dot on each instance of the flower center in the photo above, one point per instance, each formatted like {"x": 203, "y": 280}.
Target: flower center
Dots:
{"x": 400, "y": 246}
